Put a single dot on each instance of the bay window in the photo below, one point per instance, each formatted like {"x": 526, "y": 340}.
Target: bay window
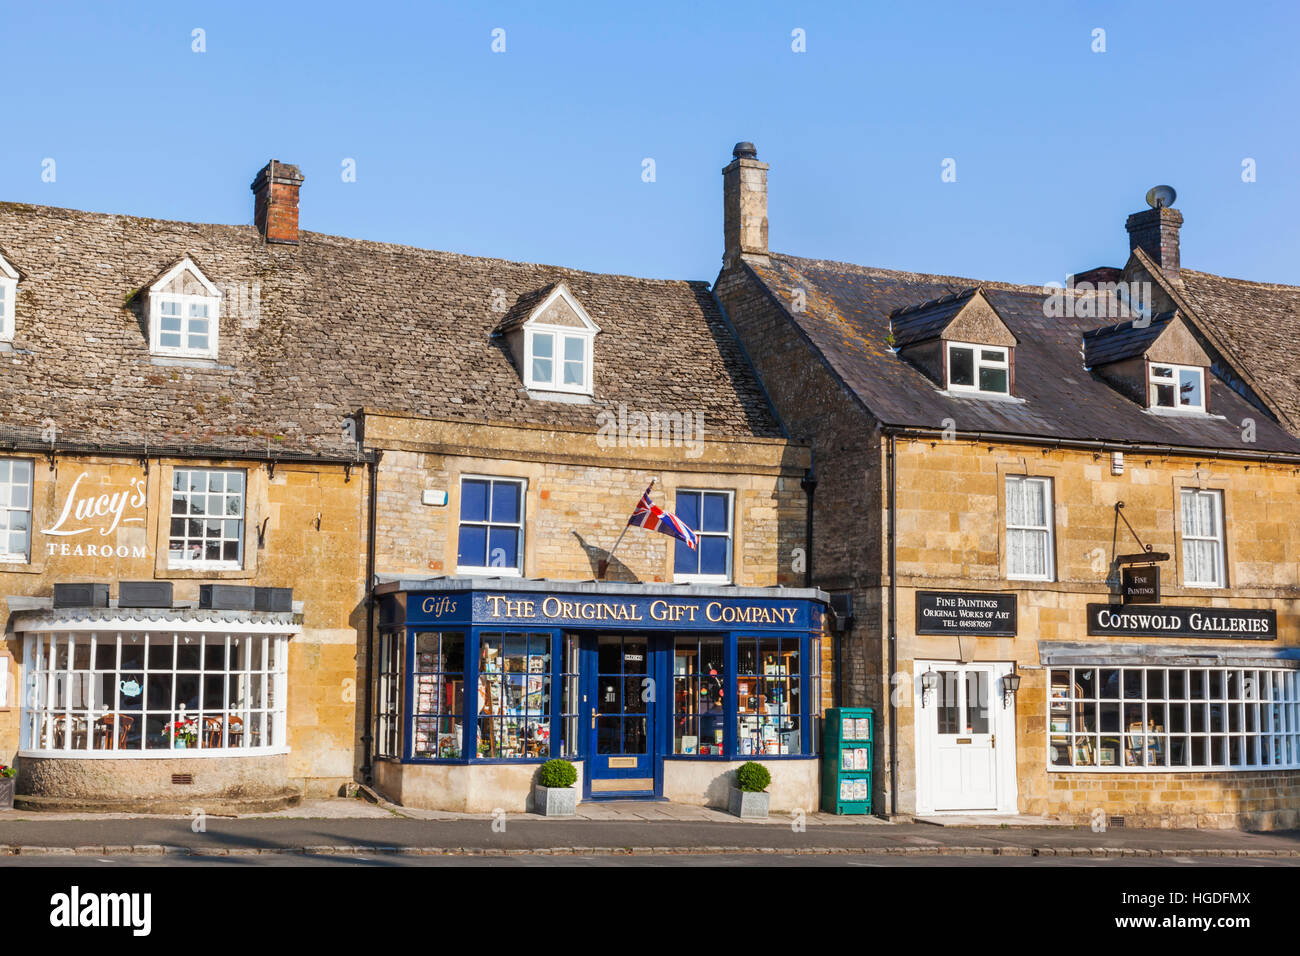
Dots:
{"x": 125, "y": 694}
{"x": 769, "y": 696}
{"x": 1169, "y": 718}
{"x": 439, "y": 695}
{"x": 699, "y": 696}
{"x": 514, "y": 695}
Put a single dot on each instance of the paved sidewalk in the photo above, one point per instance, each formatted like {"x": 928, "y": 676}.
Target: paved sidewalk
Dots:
{"x": 350, "y": 827}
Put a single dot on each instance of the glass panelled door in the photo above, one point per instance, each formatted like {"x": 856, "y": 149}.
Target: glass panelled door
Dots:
{"x": 965, "y": 765}
{"x": 620, "y": 713}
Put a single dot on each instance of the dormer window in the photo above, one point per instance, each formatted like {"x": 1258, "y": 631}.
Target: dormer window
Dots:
{"x": 1177, "y": 386}
{"x": 978, "y": 368}
{"x": 558, "y": 361}
{"x": 8, "y": 299}
{"x": 184, "y": 312}
{"x": 551, "y": 339}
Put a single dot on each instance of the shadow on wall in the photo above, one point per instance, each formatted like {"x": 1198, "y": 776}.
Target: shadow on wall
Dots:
{"x": 617, "y": 571}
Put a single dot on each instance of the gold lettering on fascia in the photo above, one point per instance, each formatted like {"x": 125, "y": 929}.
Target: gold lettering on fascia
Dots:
{"x": 659, "y": 610}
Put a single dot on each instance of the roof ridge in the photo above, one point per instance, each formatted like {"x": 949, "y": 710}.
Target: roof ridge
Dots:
{"x": 964, "y": 281}
{"x": 333, "y": 239}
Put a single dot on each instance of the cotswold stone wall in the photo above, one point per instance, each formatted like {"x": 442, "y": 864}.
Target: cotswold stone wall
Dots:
{"x": 579, "y": 496}
{"x": 951, "y": 519}
{"x": 312, "y": 519}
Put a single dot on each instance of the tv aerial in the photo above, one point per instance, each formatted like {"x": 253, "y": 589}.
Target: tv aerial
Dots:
{"x": 1159, "y": 197}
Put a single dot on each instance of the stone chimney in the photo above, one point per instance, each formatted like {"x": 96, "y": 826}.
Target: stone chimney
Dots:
{"x": 275, "y": 203}
{"x": 744, "y": 205}
{"x": 1155, "y": 232}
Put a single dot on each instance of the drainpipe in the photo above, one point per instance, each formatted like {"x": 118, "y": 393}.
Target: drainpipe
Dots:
{"x": 367, "y": 737}
{"x": 893, "y": 629}
{"x": 809, "y": 486}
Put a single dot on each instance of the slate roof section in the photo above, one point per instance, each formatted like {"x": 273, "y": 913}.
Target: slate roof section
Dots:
{"x": 846, "y": 320}
{"x": 309, "y": 334}
{"x": 921, "y": 323}
{"x": 1126, "y": 340}
{"x": 1260, "y": 323}
{"x": 524, "y": 306}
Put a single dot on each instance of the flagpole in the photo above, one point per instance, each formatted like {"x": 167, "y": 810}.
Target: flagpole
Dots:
{"x": 603, "y": 565}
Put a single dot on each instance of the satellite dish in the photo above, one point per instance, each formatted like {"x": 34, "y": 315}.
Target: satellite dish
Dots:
{"x": 1161, "y": 196}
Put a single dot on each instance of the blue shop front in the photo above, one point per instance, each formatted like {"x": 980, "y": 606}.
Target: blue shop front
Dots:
{"x": 653, "y": 691}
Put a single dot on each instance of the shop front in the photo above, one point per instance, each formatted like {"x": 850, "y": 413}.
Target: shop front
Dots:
{"x": 653, "y": 691}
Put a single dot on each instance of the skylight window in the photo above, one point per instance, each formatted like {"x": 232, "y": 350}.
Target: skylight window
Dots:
{"x": 979, "y": 368}
{"x": 1177, "y": 386}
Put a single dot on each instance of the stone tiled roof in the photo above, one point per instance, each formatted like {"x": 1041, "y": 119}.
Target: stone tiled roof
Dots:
{"x": 310, "y": 334}
{"x": 847, "y": 320}
{"x": 1260, "y": 323}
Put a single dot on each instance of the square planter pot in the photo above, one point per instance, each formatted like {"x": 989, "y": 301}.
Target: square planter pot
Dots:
{"x": 748, "y": 806}
{"x": 7, "y": 793}
{"x": 555, "y": 801}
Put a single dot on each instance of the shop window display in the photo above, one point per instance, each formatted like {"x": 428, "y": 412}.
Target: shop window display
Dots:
{"x": 514, "y": 696}
{"x": 1133, "y": 718}
{"x": 769, "y": 703}
{"x": 439, "y": 690}
{"x": 699, "y": 702}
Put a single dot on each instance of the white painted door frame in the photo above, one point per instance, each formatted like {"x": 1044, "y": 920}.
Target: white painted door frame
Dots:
{"x": 926, "y": 739}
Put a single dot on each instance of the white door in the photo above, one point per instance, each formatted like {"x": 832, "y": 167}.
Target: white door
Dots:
{"x": 965, "y": 740}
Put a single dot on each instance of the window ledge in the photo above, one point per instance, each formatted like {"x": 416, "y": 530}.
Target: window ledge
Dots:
{"x": 177, "y": 361}
{"x": 569, "y": 398}
{"x": 161, "y": 753}
{"x": 701, "y": 579}
{"x": 981, "y": 396}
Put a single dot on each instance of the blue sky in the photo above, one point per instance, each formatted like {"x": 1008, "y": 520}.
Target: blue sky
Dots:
{"x": 537, "y": 153}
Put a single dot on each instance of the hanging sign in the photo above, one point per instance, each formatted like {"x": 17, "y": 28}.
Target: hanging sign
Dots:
{"x": 1140, "y": 585}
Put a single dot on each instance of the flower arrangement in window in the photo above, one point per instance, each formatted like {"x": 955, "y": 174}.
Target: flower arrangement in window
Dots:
{"x": 182, "y": 733}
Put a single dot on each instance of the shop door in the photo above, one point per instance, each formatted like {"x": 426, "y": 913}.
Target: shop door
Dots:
{"x": 960, "y": 766}
{"x": 620, "y": 714}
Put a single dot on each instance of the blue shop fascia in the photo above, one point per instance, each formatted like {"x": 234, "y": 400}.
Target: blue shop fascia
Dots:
{"x": 653, "y": 690}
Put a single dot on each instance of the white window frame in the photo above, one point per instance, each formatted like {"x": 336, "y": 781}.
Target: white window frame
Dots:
{"x": 205, "y": 564}
{"x": 978, "y": 362}
{"x": 61, "y": 705}
{"x": 9, "y": 300}
{"x": 1049, "y": 529}
{"x": 730, "y": 535}
{"x": 212, "y": 299}
{"x": 503, "y": 572}
{"x": 1274, "y": 692}
{"x": 1217, "y": 539}
{"x": 1173, "y": 381}
{"x": 559, "y": 335}
{"x": 6, "y": 556}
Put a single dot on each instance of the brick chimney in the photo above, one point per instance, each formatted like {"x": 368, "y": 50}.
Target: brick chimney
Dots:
{"x": 275, "y": 202}
{"x": 1155, "y": 231}
{"x": 744, "y": 205}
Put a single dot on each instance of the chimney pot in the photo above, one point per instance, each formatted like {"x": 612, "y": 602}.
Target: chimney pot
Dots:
{"x": 744, "y": 205}
{"x": 275, "y": 202}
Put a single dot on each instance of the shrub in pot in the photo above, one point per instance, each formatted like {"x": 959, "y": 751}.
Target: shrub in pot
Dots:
{"x": 554, "y": 794}
{"x": 749, "y": 797}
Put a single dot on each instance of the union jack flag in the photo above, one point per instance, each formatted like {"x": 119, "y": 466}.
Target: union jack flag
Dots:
{"x": 649, "y": 515}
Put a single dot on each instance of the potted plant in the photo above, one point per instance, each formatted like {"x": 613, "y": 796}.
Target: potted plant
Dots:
{"x": 183, "y": 734}
{"x": 554, "y": 794}
{"x": 7, "y": 787}
{"x": 749, "y": 797}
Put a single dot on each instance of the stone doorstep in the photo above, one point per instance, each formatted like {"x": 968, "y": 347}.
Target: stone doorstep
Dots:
{"x": 154, "y": 849}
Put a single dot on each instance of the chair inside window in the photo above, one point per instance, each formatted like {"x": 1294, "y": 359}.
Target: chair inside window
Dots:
{"x": 110, "y": 727}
